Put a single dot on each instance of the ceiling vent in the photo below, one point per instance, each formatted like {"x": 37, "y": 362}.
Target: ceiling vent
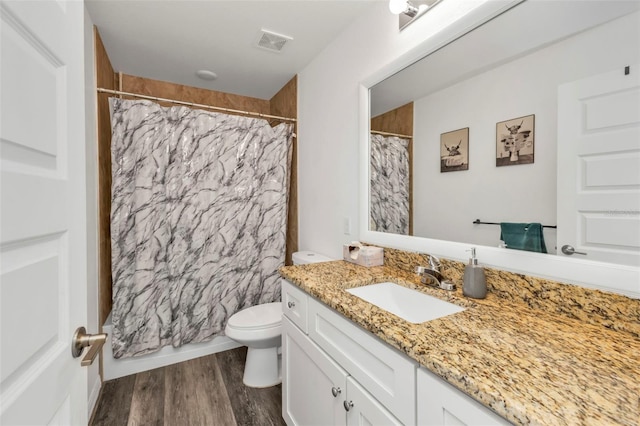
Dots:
{"x": 271, "y": 41}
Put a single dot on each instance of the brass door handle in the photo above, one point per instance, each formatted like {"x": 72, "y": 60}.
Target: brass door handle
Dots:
{"x": 81, "y": 340}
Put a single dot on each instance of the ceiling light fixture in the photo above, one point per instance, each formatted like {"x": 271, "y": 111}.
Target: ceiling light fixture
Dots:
{"x": 206, "y": 75}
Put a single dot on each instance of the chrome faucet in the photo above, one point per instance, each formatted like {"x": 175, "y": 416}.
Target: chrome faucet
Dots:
{"x": 431, "y": 275}
{"x": 434, "y": 263}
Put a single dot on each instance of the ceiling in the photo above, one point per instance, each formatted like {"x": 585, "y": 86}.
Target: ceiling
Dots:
{"x": 171, "y": 39}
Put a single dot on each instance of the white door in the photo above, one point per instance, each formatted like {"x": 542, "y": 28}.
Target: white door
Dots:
{"x": 599, "y": 166}
{"x": 42, "y": 224}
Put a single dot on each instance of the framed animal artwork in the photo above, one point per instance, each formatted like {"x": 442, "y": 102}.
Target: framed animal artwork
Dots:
{"x": 515, "y": 141}
{"x": 454, "y": 150}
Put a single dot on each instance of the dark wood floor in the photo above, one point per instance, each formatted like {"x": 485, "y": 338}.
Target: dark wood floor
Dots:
{"x": 202, "y": 391}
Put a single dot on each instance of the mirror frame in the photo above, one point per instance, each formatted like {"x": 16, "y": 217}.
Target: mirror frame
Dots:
{"x": 586, "y": 273}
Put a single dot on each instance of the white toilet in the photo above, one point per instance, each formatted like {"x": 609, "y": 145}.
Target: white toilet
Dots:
{"x": 260, "y": 329}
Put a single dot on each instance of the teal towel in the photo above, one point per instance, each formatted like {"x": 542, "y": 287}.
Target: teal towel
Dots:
{"x": 523, "y": 236}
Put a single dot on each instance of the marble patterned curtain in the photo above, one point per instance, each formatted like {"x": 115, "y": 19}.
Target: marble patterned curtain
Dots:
{"x": 198, "y": 221}
{"x": 389, "y": 184}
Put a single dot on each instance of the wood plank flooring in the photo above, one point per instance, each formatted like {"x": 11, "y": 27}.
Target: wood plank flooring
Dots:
{"x": 203, "y": 391}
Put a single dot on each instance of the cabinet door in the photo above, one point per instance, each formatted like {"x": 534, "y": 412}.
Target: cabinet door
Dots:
{"x": 439, "y": 403}
{"x": 309, "y": 381}
{"x": 364, "y": 409}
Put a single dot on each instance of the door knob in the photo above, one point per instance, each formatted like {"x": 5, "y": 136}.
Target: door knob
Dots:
{"x": 336, "y": 391}
{"x": 569, "y": 250}
{"x": 348, "y": 405}
{"x": 291, "y": 304}
{"x": 82, "y": 340}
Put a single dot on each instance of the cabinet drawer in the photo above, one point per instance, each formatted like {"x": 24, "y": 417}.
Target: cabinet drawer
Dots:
{"x": 387, "y": 374}
{"x": 294, "y": 305}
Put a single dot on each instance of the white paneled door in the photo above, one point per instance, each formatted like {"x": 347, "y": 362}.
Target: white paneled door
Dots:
{"x": 599, "y": 167}
{"x": 42, "y": 223}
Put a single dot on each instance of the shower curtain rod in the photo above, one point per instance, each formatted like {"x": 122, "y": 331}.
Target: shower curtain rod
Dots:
{"x": 191, "y": 104}
{"x": 377, "y": 132}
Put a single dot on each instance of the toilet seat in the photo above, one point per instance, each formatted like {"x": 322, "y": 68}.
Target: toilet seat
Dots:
{"x": 258, "y": 317}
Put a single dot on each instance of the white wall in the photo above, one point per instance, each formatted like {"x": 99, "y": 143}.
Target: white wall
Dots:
{"x": 328, "y": 111}
{"x": 93, "y": 378}
{"x": 445, "y": 204}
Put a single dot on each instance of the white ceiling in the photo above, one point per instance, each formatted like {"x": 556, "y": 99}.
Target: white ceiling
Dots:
{"x": 171, "y": 39}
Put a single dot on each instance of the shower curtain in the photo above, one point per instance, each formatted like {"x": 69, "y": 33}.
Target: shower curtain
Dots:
{"x": 389, "y": 184}
{"x": 198, "y": 221}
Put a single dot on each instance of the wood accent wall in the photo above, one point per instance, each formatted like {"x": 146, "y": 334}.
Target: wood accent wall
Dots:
{"x": 179, "y": 92}
{"x": 400, "y": 121}
{"x": 284, "y": 103}
{"x": 107, "y": 79}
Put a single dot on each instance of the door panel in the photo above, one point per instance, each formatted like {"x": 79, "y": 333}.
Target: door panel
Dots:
{"x": 42, "y": 226}
{"x": 599, "y": 166}
{"x": 598, "y": 170}
{"x": 18, "y": 288}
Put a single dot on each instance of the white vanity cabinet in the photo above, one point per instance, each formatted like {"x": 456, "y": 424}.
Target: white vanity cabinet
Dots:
{"x": 440, "y": 404}
{"x": 346, "y": 377}
{"x": 336, "y": 373}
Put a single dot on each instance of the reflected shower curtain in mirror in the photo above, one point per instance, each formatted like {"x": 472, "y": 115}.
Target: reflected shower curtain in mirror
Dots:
{"x": 198, "y": 221}
{"x": 389, "y": 184}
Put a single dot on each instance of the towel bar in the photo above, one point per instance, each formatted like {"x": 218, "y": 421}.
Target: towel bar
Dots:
{"x": 479, "y": 222}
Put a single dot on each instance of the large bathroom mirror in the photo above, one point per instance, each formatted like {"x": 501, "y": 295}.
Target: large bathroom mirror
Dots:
{"x": 487, "y": 121}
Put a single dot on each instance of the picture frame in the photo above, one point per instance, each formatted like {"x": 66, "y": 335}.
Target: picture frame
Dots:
{"x": 454, "y": 150}
{"x": 515, "y": 141}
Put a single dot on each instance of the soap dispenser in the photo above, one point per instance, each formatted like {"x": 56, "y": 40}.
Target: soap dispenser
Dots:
{"x": 475, "y": 280}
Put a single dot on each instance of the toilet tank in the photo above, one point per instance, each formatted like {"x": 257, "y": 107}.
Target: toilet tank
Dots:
{"x": 304, "y": 257}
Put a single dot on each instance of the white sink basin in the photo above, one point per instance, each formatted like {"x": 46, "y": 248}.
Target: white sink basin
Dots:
{"x": 408, "y": 304}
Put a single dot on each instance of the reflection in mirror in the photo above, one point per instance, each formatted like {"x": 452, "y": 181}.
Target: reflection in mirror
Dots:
{"x": 391, "y": 171}
{"x": 511, "y": 82}
{"x": 389, "y": 183}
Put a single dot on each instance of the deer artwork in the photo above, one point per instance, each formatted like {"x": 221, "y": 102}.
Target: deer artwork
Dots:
{"x": 515, "y": 140}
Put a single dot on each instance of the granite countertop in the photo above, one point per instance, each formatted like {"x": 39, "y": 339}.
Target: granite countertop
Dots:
{"x": 531, "y": 366}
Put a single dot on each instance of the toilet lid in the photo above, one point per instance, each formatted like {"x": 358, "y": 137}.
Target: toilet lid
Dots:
{"x": 258, "y": 316}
